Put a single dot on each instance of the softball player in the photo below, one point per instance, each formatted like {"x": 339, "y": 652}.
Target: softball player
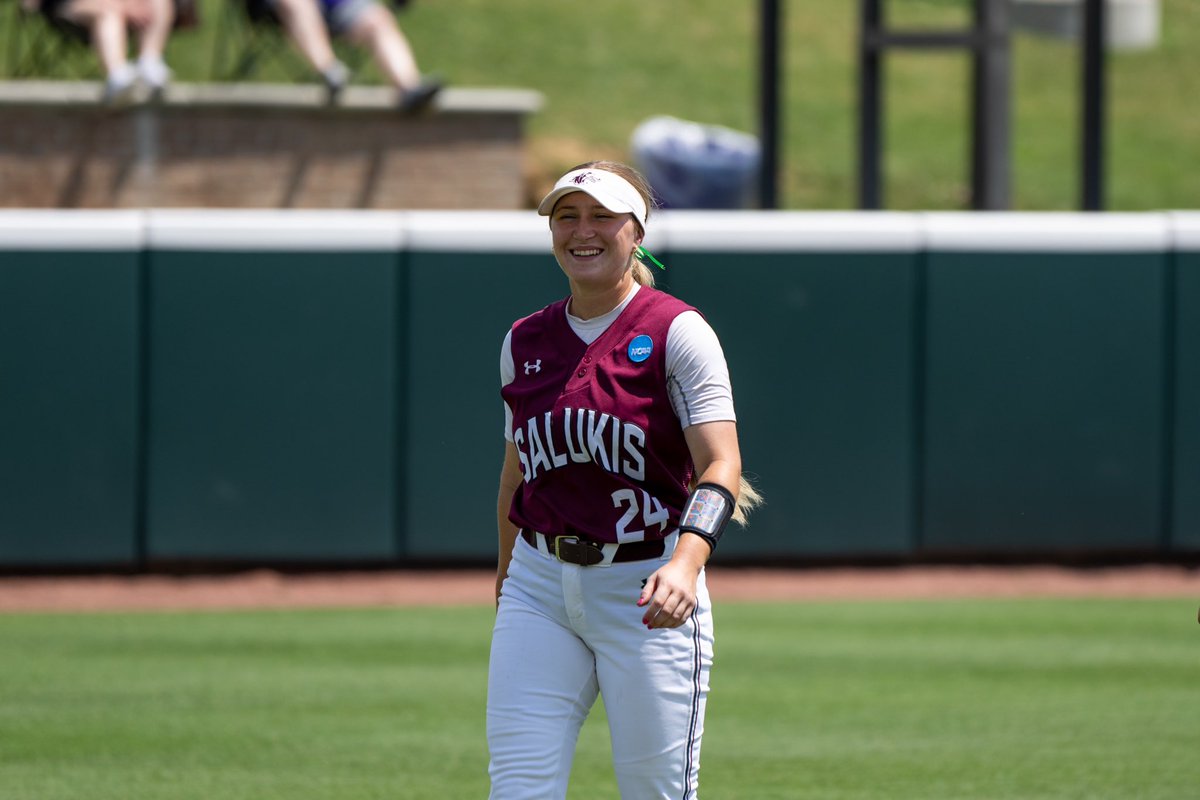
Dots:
{"x": 621, "y": 471}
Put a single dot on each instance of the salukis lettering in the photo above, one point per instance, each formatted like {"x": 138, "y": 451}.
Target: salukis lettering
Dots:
{"x": 578, "y": 436}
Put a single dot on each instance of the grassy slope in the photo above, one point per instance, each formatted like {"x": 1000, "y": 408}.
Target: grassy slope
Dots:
{"x": 604, "y": 67}
{"x": 857, "y": 700}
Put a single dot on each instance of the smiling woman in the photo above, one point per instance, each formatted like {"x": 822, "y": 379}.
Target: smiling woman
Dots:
{"x": 598, "y": 215}
{"x": 621, "y": 471}
{"x": 593, "y": 246}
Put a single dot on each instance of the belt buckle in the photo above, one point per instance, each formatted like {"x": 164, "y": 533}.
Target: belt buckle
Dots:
{"x": 578, "y": 551}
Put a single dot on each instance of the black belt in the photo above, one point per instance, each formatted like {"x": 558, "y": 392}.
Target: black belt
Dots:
{"x": 586, "y": 553}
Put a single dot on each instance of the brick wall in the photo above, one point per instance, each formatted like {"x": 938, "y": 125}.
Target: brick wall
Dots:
{"x": 260, "y": 146}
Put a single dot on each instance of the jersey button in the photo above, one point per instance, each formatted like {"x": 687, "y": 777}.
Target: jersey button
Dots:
{"x": 582, "y": 372}
{"x": 587, "y": 359}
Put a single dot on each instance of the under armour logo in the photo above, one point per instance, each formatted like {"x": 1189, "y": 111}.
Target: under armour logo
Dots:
{"x": 534, "y": 367}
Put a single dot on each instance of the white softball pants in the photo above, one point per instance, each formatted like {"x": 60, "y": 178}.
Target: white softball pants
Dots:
{"x": 566, "y": 633}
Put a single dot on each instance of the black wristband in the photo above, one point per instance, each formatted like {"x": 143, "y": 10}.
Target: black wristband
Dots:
{"x": 706, "y": 513}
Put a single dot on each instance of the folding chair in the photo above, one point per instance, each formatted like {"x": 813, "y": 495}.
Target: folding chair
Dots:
{"x": 39, "y": 48}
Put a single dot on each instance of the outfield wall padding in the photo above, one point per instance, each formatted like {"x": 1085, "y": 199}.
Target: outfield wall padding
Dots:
{"x": 273, "y": 368}
{"x": 70, "y": 405}
{"x": 1184, "y": 504}
{"x": 1045, "y": 375}
{"x": 301, "y": 387}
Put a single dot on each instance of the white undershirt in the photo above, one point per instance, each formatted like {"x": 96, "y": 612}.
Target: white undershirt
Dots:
{"x": 697, "y": 375}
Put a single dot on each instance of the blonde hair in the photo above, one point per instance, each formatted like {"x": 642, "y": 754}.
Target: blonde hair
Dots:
{"x": 641, "y": 273}
{"x": 748, "y": 499}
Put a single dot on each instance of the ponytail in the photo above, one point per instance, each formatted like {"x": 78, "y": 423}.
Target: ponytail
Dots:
{"x": 748, "y": 499}
{"x": 642, "y": 274}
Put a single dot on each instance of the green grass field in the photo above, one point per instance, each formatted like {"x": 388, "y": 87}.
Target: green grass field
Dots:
{"x": 833, "y": 700}
{"x": 605, "y": 67}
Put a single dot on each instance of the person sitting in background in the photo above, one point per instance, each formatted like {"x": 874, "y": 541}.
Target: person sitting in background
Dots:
{"x": 367, "y": 23}
{"x": 104, "y": 24}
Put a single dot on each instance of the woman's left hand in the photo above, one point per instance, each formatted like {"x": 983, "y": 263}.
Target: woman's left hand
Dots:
{"x": 669, "y": 596}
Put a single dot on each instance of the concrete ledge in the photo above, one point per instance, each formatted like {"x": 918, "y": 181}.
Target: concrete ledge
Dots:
{"x": 271, "y": 95}
{"x": 260, "y": 146}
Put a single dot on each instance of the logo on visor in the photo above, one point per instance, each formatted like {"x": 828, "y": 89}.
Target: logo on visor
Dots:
{"x": 583, "y": 178}
{"x": 640, "y": 348}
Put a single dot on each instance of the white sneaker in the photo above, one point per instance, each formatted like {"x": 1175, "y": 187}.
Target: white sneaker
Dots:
{"x": 335, "y": 76}
{"x": 153, "y": 73}
{"x": 120, "y": 84}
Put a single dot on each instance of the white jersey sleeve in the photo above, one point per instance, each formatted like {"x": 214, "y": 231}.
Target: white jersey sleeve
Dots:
{"x": 508, "y": 373}
{"x": 697, "y": 374}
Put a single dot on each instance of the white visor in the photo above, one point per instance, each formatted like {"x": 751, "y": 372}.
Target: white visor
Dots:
{"x": 609, "y": 189}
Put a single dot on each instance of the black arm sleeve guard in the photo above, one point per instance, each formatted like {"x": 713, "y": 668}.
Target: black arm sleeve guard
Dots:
{"x": 707, "y": 512}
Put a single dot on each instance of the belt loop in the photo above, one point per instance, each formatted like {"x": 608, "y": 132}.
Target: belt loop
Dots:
{"x": 538, "y": 540}
{"x": 610, "y": 552}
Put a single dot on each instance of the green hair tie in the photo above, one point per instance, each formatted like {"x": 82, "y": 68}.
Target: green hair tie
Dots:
{"x": 643, "y": 254}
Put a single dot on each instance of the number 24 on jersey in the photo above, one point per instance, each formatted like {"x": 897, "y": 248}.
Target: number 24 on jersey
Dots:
{"x": 651, "y": 510}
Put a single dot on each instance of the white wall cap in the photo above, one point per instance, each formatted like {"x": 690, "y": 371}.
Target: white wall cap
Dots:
{"x": 525, "y": 231}
{"x": 478, "y": 231}
{"x": 1185, "y": 230}
{"x": 788, "y": 231}
{"x": 1045, "y": 231}
{"x": 275, "y": 230}
{"x": 58, "y": 229}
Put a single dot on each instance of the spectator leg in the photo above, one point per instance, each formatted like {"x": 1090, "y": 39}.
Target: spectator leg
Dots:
{"x": 304, "y": 24}
{"x": 376, "y": 29}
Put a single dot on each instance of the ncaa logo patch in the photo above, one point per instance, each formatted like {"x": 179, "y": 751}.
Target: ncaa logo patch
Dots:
{"x": 640, "y": 348}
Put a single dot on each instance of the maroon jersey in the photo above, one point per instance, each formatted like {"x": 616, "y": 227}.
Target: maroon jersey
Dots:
{"x": 601, "y": 450}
